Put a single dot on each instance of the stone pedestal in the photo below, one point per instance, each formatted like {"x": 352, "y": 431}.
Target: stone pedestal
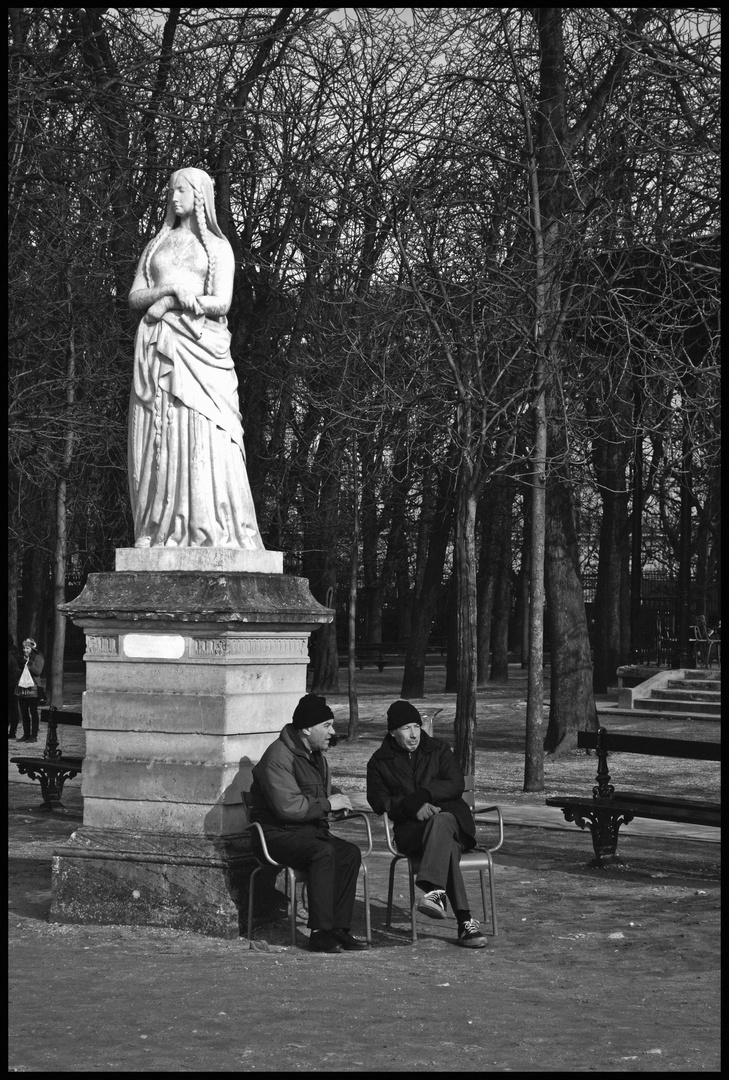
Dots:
{"x": 190, "y": 674}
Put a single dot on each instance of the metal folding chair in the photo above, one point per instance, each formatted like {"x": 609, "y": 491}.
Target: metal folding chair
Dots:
{"x": 470, "y": 860}
{"x": 296, "y": 877}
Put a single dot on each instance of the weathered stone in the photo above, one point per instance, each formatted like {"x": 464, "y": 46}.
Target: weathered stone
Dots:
{"x": 218, "y": 600}
{"x": 189, "y": 677}
{"x": 178, "y": 747}
{"x": 239, "y": 560}
{"x": 196, "y": 713}
{"x": 148, "y": 879}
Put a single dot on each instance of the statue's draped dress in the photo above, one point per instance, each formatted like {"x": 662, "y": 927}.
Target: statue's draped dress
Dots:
{"x": 187, "y": 473}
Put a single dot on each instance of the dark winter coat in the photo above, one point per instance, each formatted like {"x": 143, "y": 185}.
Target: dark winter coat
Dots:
{"x": 399, "y": 783}
{"x": 291, "y": 786}
{"x": 14, "y": 669}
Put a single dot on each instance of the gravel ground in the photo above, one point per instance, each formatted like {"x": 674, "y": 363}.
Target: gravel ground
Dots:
{"x": 610, "y": 971}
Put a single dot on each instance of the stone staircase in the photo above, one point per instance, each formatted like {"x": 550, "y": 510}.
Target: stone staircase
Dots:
{"x": 685, "y": 692}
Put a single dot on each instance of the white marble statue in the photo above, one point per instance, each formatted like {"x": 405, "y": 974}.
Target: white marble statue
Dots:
{"x": 187, "y": 473}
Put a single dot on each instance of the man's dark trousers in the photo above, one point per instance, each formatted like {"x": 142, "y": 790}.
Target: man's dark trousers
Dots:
{"x": 331, "y": 866}
{"x": 440, "y": 861}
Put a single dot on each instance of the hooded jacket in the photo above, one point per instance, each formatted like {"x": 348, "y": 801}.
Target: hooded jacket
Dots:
{"x": 291, "y": 786}
{"x": 399, "y": 783}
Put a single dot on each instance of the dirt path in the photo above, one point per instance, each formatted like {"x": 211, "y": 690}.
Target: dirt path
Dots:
{"x": 591, "y": 971}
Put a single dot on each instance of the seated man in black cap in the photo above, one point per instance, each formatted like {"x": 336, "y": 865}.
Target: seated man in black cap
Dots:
{"x": 291, "y": 795}
{"x": 415, "y": 779}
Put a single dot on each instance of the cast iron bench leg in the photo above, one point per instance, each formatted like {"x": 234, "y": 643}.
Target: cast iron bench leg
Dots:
{"x": 52, "y": 789}
{"x": 51, "y": 782}
{"x": 604, "y": 825}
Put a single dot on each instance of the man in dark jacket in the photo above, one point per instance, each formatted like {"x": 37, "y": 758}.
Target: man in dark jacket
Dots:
{"x": 291, "y": 795}
{"x": 415, "y": 779}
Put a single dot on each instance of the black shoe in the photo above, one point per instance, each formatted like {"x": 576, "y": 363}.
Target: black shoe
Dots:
{"x": 24, "y": 738}
{"x": 348, "y": 942}
{"x": 470, "y": 936}
{"x": 324, "y": 941}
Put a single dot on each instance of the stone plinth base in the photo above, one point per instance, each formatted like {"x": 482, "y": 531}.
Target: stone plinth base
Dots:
{"x": 190, "y": 674}
{"x": 147, "y": 879}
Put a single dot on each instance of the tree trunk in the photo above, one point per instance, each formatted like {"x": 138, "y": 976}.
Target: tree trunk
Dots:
{"x": 35, "y": 597}
{"x": 13, "y": 584}
{"x": 636, "y": 535}
{"x": 321, "y": 508}
{"x": 685, "y": 547}
{"x": 325, "y": 660}
{"x": 373, "y": 591}
{"x": 572, "y": 702}
{"x": 606, "y": 632}
{"x": 426, "y": 600}
{"x": 451, "y": 672}
{"x": 534, "y": 753}
{"x": 55, "y": 670}
{"x": 55, "y": 679}
{"x": 609, "y": 458}
{"x": 486, "y": 586}
{"x": 502, "y": 590}
{"x": 465, "y": 551}
{"x": 524, "y": 579}
{"x": 324, "y": 656}
{"x": 353, "y": 725}
{"x": 625, "y": 605}
{"x": 403, "y": 590}
{"x": 572, "y": 699}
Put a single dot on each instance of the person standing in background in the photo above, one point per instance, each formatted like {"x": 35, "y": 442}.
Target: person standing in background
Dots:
{"x": 28, "y": 690}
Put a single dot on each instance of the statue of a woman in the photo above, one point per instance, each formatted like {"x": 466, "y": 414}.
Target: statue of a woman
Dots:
{"x": 187, "y": 473}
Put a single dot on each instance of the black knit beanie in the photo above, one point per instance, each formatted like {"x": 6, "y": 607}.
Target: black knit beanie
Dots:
{"x": 401, "y": 713}
{"x": 310, "y": 711}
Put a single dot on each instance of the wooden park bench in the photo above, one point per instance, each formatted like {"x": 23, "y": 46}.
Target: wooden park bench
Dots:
{"x": 56, "y": 766}
{"x": 608, "y": 809}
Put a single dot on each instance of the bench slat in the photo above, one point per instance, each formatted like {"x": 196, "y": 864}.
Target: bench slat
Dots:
{"x": 668, "y": 800}
{"x": 679, "y": 812}
{"x": 60, "y": 716}
{"x": 50, "y": 763}
{"x": 649, "y": 744}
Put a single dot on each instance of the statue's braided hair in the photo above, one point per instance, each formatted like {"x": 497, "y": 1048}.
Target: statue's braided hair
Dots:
{"x": 205, "y": 239}
{"x": 194, "y": 177}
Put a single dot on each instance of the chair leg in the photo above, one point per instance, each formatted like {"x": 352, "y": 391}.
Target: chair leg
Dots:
{"x": 388, "y": 921}
{"x": 292, "y": 902}
{"x": 483, "y": 897}
{"x": 492, "y": 892}
{"x": 250, "y": 907}
{"x": 366, "y": 888}
{"x": 413, "y": 902}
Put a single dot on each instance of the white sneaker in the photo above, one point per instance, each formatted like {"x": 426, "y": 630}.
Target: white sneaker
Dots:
{"x": 433, "y": 904}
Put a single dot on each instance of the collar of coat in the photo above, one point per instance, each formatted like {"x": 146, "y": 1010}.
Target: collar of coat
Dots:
{"x": 390, "y": 749}
{"x": 291, "y": 738}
